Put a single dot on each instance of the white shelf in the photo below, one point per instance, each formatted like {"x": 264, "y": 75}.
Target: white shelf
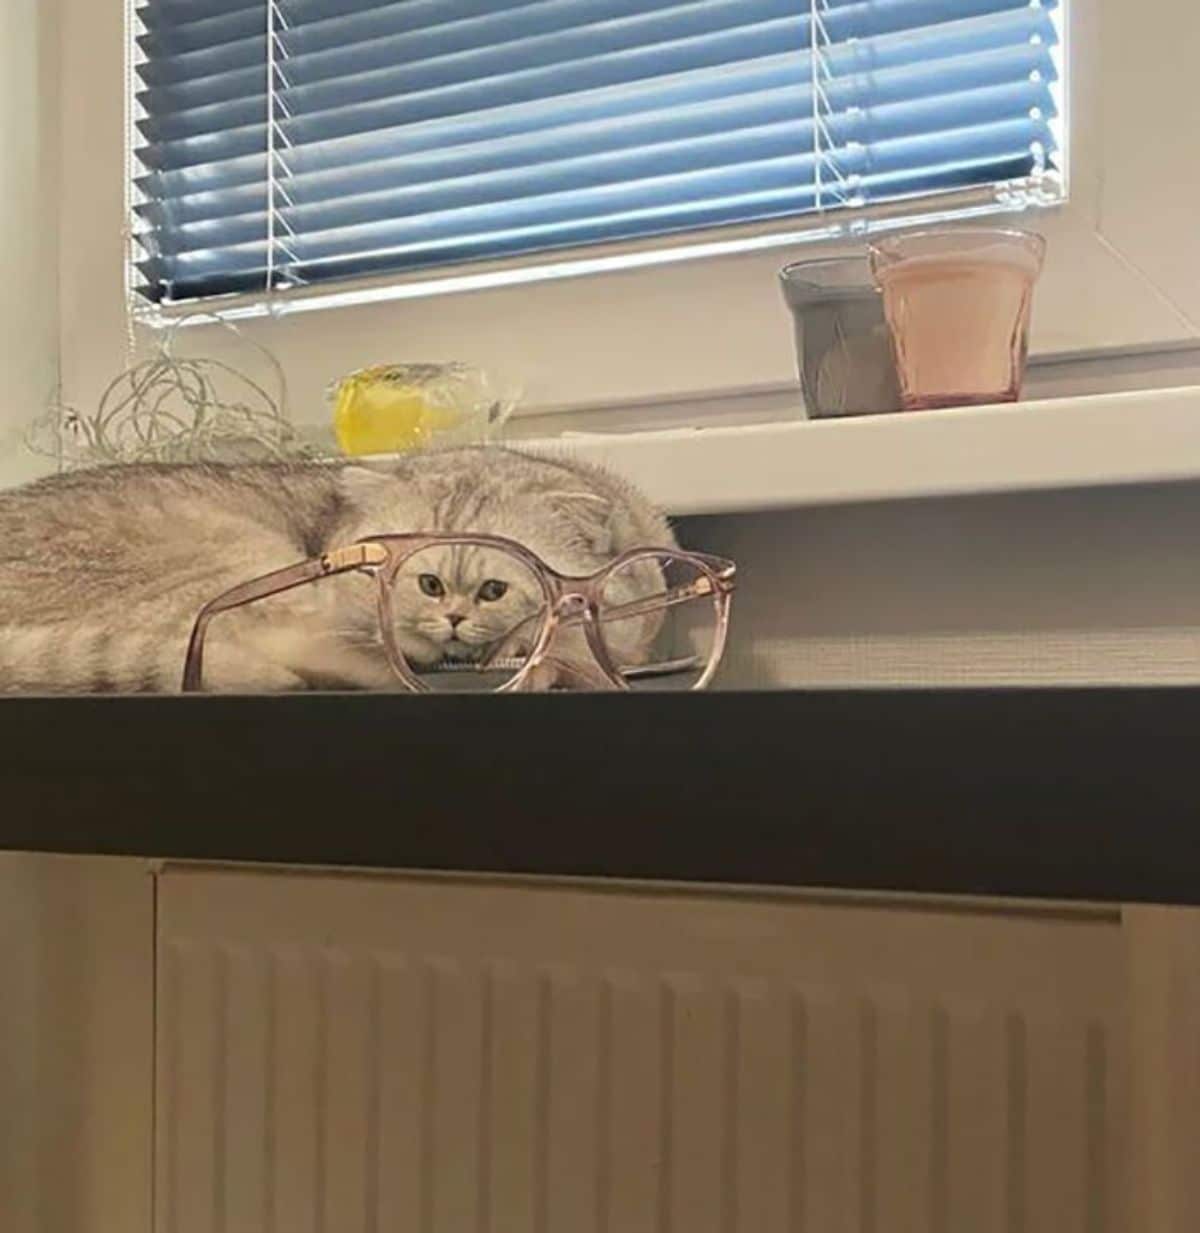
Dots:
{"x": 1130, "y": 438}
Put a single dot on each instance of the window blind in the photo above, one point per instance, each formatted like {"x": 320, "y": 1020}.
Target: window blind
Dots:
{"x": 280, "y": 143}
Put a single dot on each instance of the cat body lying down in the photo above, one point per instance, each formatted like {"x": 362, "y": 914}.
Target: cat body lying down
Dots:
{"x": 102, "y": 572}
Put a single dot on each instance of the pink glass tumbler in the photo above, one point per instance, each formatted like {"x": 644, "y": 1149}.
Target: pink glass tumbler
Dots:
{"x": 957, "y": 305}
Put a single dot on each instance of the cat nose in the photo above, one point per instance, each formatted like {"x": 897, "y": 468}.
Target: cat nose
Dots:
{"x": 455, "y": 619}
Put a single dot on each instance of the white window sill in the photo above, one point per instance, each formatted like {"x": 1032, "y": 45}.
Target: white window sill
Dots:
{"x": 1144, "y": 437}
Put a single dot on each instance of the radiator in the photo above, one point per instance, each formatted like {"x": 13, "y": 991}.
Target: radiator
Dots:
{"x": 338, "y": 1054}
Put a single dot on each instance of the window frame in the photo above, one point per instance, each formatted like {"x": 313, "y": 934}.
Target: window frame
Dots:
{"x": 711, "y": 325}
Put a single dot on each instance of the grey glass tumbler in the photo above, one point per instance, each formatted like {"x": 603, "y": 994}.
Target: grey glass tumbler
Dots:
{"x": 843, "y": 348}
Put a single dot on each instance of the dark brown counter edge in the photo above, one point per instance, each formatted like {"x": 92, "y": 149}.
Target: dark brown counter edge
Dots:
{"x": 1065, "y": 794}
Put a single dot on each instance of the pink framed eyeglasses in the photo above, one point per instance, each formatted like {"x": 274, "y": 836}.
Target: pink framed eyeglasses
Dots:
{"x": 481, "y": 612}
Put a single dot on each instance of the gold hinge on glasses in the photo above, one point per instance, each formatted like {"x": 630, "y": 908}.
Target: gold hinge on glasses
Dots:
{"x": 353, "y": 557}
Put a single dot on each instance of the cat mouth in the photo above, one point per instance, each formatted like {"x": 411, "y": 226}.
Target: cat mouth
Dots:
{"x": 455, "y": 649}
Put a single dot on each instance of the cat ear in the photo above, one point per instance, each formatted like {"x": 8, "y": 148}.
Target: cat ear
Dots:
{"x": 360, "y": 485}
{"x": 589, "y": 515}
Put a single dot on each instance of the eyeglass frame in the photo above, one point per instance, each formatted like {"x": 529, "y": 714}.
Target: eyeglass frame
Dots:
{"x": 569, "y": 599}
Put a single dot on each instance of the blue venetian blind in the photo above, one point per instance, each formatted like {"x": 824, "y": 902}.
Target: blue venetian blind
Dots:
{"x": 289, "y": 142}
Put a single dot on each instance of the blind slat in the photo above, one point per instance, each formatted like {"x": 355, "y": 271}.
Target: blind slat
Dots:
{"x": 423, "y": 132}
{"x": 626, "y": 52}
{"x": 172, "y": 13}
{"x": 314, "y": 114}
{"x": 757, "y": 207}
{"x": 502, "y": 172}
{"x": 385, "y": 37}
{"x": 209, "y": 191}
{"x": 440, "y": 217}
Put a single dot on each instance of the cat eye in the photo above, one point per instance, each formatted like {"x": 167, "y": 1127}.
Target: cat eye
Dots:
{"x": 431, "y": 585}
{"x": 492, "y": 590}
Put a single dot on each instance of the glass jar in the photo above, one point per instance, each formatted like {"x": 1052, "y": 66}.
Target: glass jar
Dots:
{"x": 957, "y": 302}
{"x": 843, "y": 351}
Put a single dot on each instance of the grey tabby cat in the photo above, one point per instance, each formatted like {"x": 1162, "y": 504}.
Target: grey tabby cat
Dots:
{"x": 102, "y": 572}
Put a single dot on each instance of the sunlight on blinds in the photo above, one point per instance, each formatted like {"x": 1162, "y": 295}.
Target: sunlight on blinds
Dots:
{"x": 283, "y": 144}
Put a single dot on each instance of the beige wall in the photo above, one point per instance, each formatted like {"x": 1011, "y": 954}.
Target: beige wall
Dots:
{"x": 28, "y": 360}
{"x": 28, "y": 219}
{"x": 19, "y": 969}
{"x": 76, "y": 1037}
{"x": 95, "y": 1041}
{"x": 1078, "y": 587}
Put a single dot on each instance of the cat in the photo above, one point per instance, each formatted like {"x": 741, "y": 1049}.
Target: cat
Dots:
{"x": 102, "y": 571}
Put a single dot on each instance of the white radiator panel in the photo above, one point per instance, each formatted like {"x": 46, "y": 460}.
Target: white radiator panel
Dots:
{"x": 340, "y": 1054}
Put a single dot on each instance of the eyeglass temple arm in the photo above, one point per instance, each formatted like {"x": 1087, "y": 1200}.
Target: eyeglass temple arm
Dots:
{"x": 337, "y": 561}
{"x": 724, "y": 569}
{"x": 653, "y": 603}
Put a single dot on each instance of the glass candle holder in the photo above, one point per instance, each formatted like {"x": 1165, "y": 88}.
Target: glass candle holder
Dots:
{"x": 396, "y": 407}
{"x": 957, "y": 304}
{"x": 843, "y": 352}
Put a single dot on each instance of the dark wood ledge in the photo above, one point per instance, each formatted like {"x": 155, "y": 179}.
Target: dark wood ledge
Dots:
{"x": 1064, "y": 794}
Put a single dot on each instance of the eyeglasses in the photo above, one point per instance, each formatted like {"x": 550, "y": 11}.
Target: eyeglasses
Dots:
{"x": 480, "y": 612}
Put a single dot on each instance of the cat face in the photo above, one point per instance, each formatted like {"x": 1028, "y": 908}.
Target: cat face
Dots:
{"x": 460, "y": 602}
{"x": 572, "y": 518}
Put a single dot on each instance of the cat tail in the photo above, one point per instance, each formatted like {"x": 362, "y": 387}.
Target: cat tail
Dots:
{"x": 78, "y": 657}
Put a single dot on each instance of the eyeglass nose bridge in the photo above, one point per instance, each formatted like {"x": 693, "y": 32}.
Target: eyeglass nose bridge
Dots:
{"x": 574, "y": 605}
